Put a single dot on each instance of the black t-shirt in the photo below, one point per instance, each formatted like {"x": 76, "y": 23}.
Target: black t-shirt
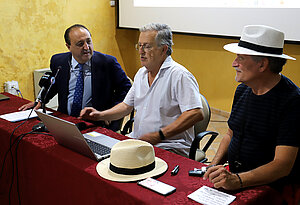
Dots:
{"x": 261, "y": 122}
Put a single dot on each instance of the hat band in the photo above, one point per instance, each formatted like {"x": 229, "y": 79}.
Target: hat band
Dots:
{"x": 126, "y": 171}
{"x": 262, "y": 49}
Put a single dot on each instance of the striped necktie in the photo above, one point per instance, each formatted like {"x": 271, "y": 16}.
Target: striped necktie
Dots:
{"x": 78, "y": 94}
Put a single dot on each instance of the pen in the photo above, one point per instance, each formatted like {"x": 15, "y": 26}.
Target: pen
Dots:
{"x": 175, "y": 170}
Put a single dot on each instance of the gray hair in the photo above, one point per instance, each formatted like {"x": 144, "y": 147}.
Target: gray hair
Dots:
{"x": 275, "y": 64}
{"x": 164, "y": 34}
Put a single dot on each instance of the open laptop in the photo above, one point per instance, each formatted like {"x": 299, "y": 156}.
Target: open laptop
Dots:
{"x": 94, "y": 145}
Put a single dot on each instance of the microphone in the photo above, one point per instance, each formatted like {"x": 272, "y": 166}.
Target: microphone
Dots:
{"x": 52, "y": 81}
{"x": 44, "y": 83}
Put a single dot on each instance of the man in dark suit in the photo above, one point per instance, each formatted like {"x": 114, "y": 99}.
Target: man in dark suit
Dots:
{"x": 104, "y": 83}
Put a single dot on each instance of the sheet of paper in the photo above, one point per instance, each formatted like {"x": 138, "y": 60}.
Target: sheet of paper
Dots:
{"x": 20, "y": 115}
{"x": 209, "y": 196}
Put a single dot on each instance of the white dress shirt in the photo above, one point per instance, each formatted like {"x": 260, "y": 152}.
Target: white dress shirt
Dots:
{"x": 173, "y": 91}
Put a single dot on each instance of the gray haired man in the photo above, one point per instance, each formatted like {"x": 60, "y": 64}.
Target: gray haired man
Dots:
{"x": 164, "y": 94}
{"x": 262, "y": 142}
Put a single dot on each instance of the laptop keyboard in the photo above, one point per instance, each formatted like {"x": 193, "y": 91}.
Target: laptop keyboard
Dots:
{"x": 98, "y": 148}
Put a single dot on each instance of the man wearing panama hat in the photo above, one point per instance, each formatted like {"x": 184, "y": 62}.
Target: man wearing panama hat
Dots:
{"x": 262, "y": 142}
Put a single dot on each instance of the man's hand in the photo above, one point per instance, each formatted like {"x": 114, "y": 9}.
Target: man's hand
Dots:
{"x": 152, "y": 137}
{"x": 29, "y": 106}
{"x": 222, "y": 178}
{"x": 90, "y": 113}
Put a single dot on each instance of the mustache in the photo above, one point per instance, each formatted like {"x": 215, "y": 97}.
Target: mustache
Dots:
{"x": 86, "y": 51}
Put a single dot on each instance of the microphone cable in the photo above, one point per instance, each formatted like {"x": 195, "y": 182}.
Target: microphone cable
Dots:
{"x": 17, "y": 141}
{"x": 12, "y": 179}
{"x": 10, "y": 147}
{"x": 16, "y": 160}
{"x": 18, "y": 91}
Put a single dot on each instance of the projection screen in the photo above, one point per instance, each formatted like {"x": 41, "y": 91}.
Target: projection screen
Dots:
{"x": 221, "y": 18}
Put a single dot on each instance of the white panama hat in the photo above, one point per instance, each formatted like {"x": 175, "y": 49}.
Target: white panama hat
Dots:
{"x": 131, "y": 160}
{"x": 259, "y": 40}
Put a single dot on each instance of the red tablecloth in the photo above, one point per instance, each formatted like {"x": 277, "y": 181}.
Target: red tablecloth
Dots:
{"x": 51, "y": 174}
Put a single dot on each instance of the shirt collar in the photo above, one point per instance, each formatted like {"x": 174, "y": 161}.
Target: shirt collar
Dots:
{"x": 167, "y": 63}
{"x": 74, "y": 63}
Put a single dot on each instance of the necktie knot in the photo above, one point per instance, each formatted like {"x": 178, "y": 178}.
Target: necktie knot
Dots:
{"x": 80, "y": 66}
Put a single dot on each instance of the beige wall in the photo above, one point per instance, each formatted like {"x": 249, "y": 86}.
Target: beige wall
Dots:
{"x": 32, "y": 31}
{"x": 211, "y": 65}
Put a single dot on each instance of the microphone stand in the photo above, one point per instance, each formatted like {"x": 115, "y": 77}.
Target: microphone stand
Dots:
{"x": 43, "y": 106}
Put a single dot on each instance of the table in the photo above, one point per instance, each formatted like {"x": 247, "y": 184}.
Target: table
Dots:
{"x": 51, "y": 174}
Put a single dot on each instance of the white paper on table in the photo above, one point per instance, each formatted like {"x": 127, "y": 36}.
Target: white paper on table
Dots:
{"x": 209, "y": 196}
{"x": 20, "y": 115}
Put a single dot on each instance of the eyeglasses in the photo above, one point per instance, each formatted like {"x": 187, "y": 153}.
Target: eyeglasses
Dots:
{"x": 146, "y": 47}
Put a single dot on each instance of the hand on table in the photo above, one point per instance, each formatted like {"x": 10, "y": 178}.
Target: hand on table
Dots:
{"x": 222, "y": 178}
{"x": 29, "y": 106}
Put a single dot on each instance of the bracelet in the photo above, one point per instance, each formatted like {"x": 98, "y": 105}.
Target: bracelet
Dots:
{"x": 161, "y": 135}
{"x": 241, "y": 182}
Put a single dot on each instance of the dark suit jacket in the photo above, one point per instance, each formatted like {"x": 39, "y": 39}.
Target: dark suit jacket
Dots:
{"x": 109, "y": 82}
